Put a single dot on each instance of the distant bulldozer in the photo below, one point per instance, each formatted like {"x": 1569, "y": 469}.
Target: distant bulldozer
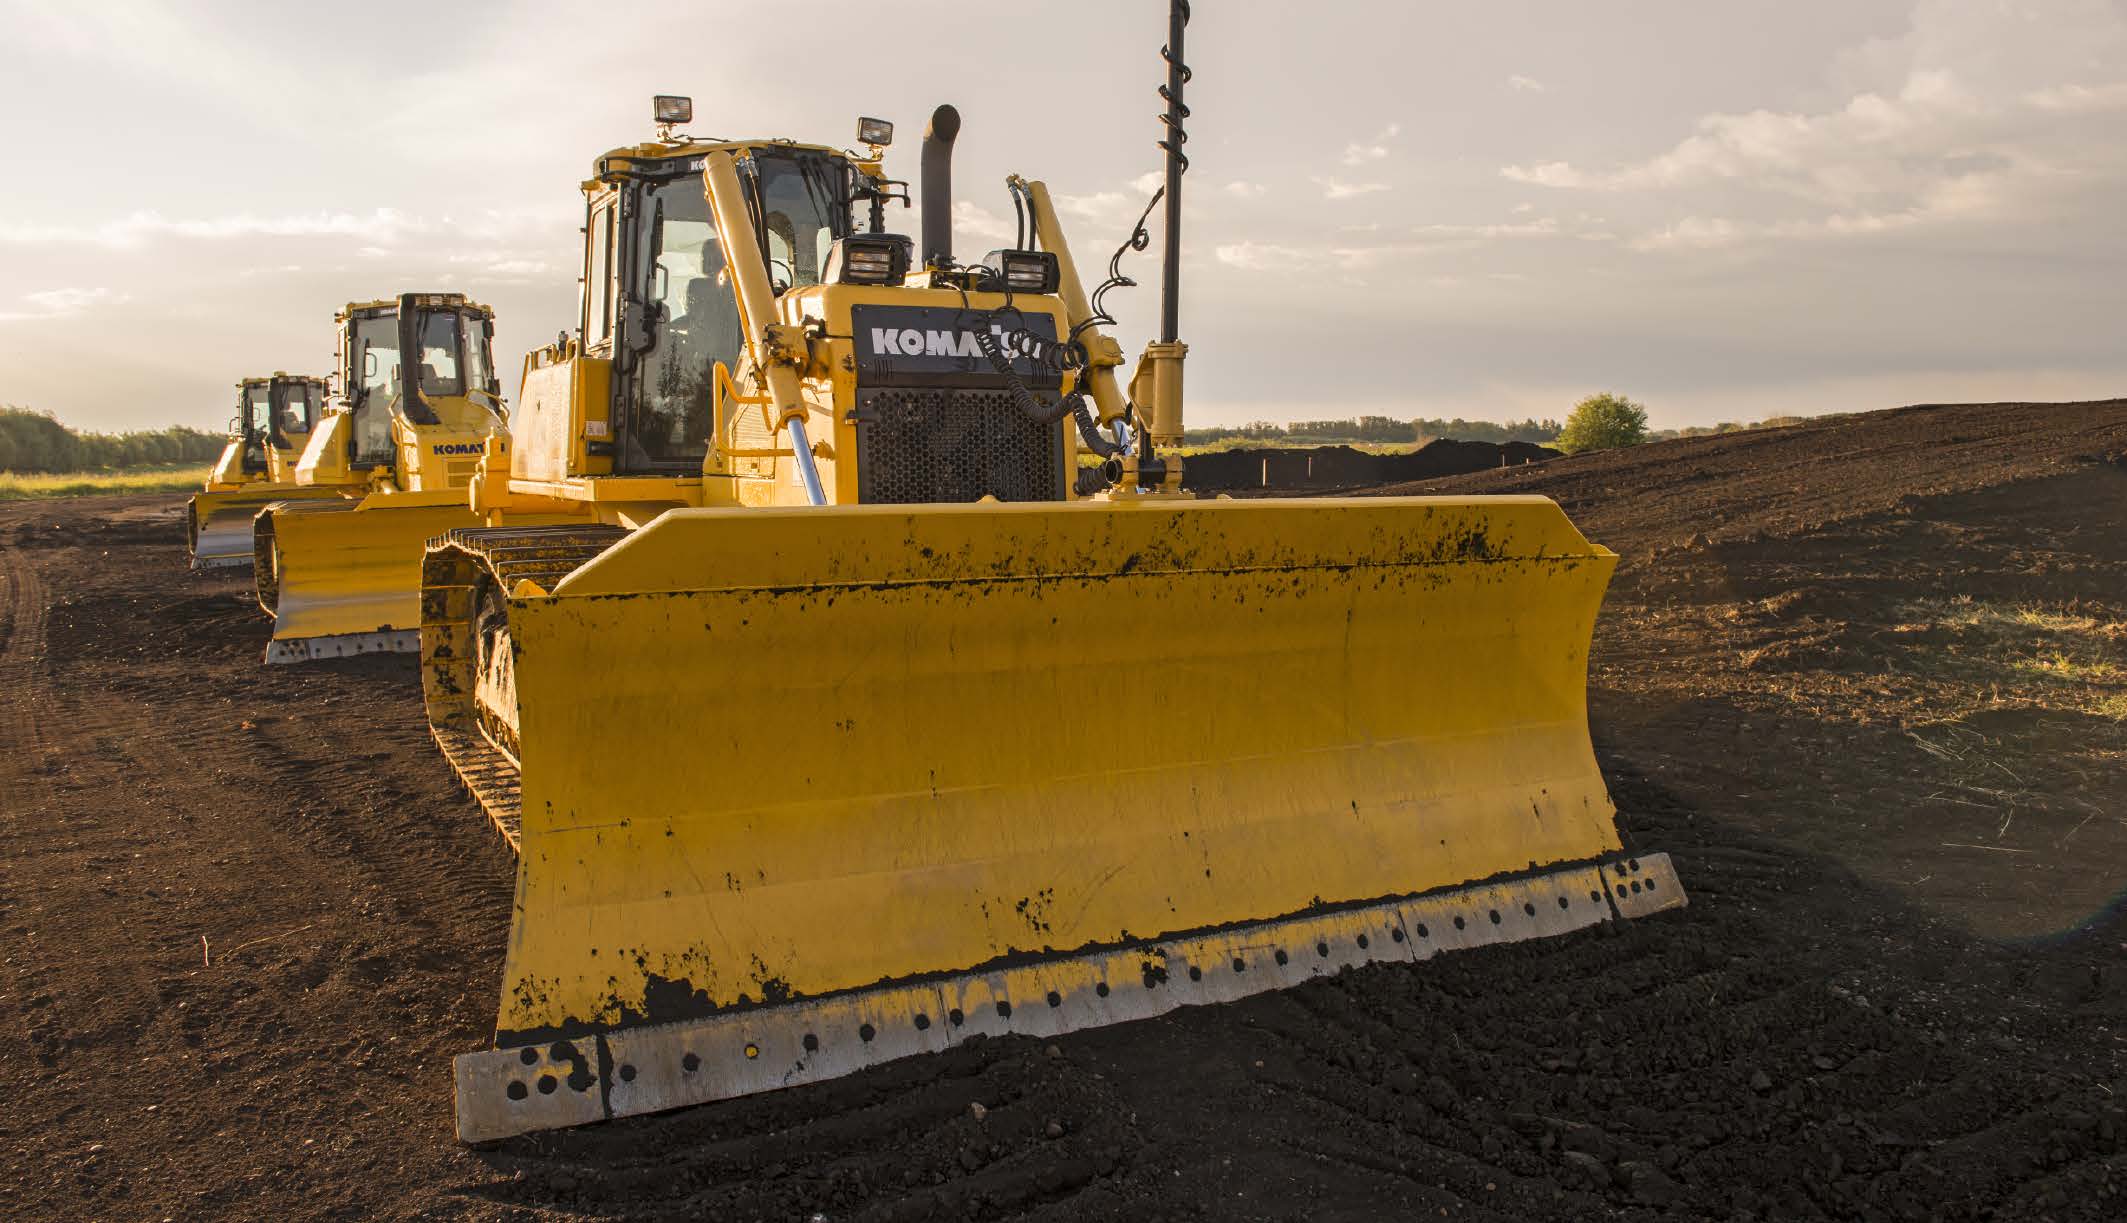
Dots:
{"x": 274, "y": 419}
{"x": 339, "y": 571}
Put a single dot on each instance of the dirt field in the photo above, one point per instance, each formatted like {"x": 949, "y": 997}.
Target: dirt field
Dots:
{"x": 1866, "y": 680}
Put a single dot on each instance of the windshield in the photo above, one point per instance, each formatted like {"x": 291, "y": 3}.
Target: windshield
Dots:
{"x": 299, "y": 408}
{"x": 803, "y": 209}
{"x": 440, "y": 374}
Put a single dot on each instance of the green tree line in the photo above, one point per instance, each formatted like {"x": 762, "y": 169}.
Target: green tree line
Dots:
{"x": 1378, "y": 429}
{"x": 34, "y": 442}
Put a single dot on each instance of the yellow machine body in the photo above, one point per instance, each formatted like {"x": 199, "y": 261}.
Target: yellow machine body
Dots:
{"x": 338, "y": 565}
{"x": 275, "y": 416}
{"x": 803, "y": 778}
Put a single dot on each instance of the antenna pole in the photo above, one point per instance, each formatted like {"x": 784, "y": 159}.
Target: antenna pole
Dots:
{"x": 1177, "y": 161}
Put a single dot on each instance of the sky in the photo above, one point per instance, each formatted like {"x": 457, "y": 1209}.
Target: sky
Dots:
{"x": 1725, "y": 210}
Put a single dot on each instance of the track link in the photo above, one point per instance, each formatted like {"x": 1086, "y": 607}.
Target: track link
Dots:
{"x": 459, "y": 567}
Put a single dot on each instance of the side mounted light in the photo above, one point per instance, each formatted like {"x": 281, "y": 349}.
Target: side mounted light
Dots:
{"x": 869, "y": 259}
{"x": 1021, "y": 271}
{"x": 875, "y": 132}
{"x": 672, "y": 108}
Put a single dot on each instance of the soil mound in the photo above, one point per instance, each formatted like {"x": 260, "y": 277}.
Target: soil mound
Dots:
{"x": 1322, "y": 467}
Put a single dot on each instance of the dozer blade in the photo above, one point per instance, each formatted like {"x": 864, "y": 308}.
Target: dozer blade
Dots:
{"x": 806, "y": 790}
{"x": 344, "y": 577}
{"x": 218, "y": 525}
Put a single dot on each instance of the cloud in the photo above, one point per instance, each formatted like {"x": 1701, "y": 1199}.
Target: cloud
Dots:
{"x": 2080, "y": 99}
{"x": 1978, "y": 114}
{"x": 1359, "y": 153}
{"x": 1524, "y": 84}
{"x": 505, "y": 267}
{"x": 1098, "y": 206}
{"x": 64, "y": 303}
{"x": 1361, "y": 247}
{"x": 1261, "y": 256}
{"x": 1243, "y": 190}
{"x": 1338, "y": 189}
{"x": 139, "y": 228}
{"x": 1542, "y": 227}
{"x": 975, "y": 220}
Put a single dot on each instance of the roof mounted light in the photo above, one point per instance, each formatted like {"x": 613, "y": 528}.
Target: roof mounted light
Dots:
{"x": 672, "y": 108}
{"x": 878, "y": 133}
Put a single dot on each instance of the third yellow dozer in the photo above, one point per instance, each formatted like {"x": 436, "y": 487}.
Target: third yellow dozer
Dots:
{"x": 851, "y": 715}
{"x": 274, "y": 418}
{"x": 340, "y": 573}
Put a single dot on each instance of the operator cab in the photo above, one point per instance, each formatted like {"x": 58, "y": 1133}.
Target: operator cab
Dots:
{"x": 275, "y": 413}
{"x": 659, "y": 300}
{"x": 453, "y": 339}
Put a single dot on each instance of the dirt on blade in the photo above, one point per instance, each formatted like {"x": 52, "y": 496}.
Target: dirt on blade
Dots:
{"x": 1866, "y": 680}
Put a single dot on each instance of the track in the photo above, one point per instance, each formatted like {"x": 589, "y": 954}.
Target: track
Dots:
{"x": 1779, "y": 704}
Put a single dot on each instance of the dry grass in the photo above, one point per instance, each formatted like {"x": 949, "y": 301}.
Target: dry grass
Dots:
{"x": 2067, "y": 658}
{"x": 37, "y": 486}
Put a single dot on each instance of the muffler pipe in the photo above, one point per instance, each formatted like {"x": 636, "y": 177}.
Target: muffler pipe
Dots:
{"x": 938, "y": 138}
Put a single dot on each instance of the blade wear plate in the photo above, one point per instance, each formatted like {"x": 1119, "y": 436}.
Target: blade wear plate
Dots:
{"x": 346, "y": 578}
{"x": 770, "y": 754}
{"x": 544, "y": 1086}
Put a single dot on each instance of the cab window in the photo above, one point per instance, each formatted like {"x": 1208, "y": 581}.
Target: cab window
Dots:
{"x": 299, "y": 409}
{"x": 374, "y": 356}
{"x": 692, "y": 321}
{"x": 440, "y": 374}
{"x": 598, "y": 277}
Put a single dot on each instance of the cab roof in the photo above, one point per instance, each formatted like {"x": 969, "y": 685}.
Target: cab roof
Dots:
{"x": 430, "y": 301}
{"x": 610, "y": 166}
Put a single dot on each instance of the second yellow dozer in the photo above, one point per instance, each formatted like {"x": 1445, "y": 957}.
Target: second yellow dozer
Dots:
{"x": 340, "y": 572}
{"x": 847, "y": 716}
{"x": 274, "y": 418}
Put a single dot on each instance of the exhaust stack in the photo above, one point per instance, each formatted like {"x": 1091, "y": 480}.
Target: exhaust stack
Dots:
{"x": 938, "y": 138}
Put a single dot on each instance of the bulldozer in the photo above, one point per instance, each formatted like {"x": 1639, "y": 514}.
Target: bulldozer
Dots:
{"x": 338, "y": 567}
{"x": 874, "y": 683}
{"x": 274, "y": 418}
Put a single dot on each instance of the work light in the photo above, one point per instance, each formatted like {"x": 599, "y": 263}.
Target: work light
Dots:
{"x": 1022, "y": 271}
{"x": 671, "y": 108}
{"x": 868, "y": 259}
{"x": 875, "y": 132}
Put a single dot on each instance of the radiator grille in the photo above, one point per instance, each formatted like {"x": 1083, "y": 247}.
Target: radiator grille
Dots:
{"x": 918, "y": 444}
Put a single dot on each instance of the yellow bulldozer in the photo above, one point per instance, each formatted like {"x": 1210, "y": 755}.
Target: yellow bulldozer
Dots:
{"x": 339, "y": 570}
{"x": 852, "y": 676}
{"x": 274, "y": 418}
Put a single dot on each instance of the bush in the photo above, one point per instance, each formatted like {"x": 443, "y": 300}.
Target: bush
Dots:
{"x": 34, "y": 442}
{"x": 1603, "y": 422}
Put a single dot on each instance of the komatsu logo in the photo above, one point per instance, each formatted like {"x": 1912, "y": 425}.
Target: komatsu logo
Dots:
{"x": 919, "y": 345}
{"x": 910, "y": 342}
{"x": 457, "y": 448}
